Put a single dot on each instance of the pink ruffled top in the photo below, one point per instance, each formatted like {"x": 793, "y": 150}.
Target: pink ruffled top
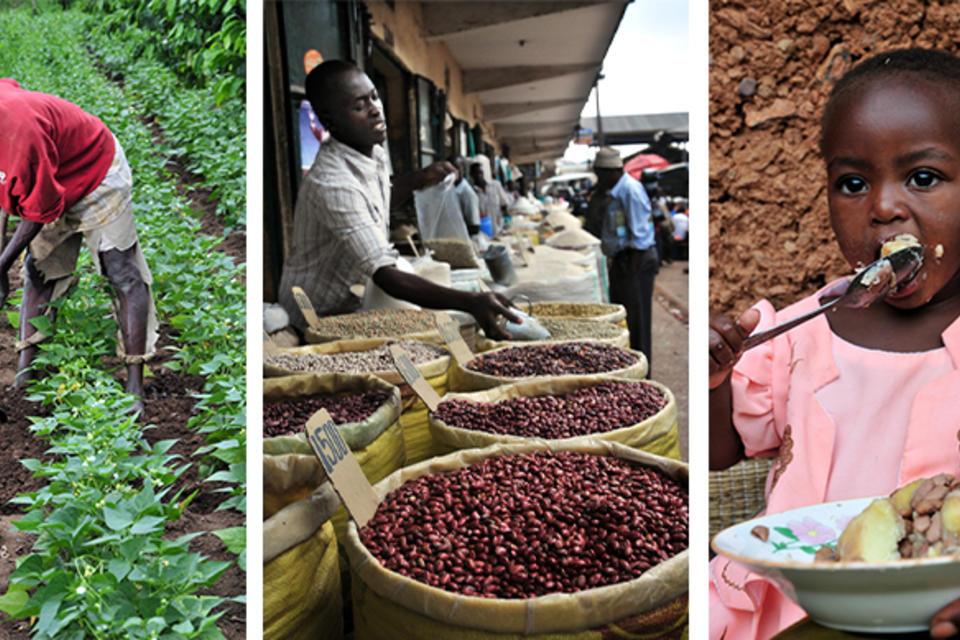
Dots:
{"x": 842, "y": 421}
{"x": 870, "y": 403}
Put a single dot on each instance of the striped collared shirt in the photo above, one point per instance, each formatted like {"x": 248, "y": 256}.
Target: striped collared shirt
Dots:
{"x": 341, "y": 226}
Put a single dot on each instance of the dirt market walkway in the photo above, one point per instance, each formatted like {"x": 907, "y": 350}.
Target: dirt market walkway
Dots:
{"x": 670, "y": 343}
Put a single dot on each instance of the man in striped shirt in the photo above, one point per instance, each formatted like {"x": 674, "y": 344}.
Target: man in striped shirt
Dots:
{"x": 342, "y": 217}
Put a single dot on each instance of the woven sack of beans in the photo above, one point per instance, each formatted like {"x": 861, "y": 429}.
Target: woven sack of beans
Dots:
{"x": 562, "y": 329}
{"x": 655, "y": 431}
{"x": 414, "y": 422}
{"x": 408, "y": 324}
{"x": 291, "y": 471}
{"x": 528, "y": 357}
{"x": 302, "y": 597}
{"x": 652, "y": 605}
{"x": 615, "y": 313}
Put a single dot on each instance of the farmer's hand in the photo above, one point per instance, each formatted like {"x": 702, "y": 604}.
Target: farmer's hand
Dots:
{"x": 726, "y": 343}
{"x": 436, "y": 173}
{"x": 946, "y": 622}
{"x": 487, "y": 308}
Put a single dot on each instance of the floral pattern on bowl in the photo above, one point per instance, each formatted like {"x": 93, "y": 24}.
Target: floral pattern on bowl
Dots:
{"x": 808, "y": 534}
{"x": 896, "y": 596}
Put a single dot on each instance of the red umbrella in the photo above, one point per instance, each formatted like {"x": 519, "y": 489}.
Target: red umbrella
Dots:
{"x": 635, "y": 165}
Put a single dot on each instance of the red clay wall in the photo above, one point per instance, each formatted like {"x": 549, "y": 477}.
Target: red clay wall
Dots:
{"x": 771, "y": 72}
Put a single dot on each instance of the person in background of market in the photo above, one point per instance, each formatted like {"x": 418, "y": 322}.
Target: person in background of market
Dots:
{"x": 513, "y": 194}
{"x": 64, "y": 174}
{"x": 343, "y": 209}
{"x": 524, "y": 190}
{"x": 466, "y": 196}
{"x": 662, "y": 222}
{"x": 493, "y": 199}
{"x": 681, "y": 225}
{"x": 628, "y": 240}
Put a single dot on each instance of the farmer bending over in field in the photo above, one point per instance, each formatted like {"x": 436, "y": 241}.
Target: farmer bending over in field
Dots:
{"x": 63, "y": 173}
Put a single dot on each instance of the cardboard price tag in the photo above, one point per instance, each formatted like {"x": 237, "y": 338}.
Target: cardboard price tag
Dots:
{"x": 414, "y": 378}
{"x": 306, "y": 307}
{"x": 269, "y": 346}
{"x": 342, "y": 468}
{"x": 450, "y": 332}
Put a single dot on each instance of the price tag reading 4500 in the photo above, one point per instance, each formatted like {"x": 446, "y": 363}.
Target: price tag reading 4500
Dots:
{"x": 348, "y": 480}
{"x": 328, "y": 444}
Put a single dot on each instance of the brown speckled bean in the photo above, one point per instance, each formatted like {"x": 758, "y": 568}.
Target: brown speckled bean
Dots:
{"x": 523, "y": 526}
{"x": 289, "y": 416}
{"x": 553, "y": 360}
{"x": 598, "y": 409}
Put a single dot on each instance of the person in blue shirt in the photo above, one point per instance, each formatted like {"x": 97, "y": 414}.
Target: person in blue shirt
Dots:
{"x": 629, "y": 242}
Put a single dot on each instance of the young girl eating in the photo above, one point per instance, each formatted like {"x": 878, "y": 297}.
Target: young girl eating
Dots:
{"x": 855, "y": 402}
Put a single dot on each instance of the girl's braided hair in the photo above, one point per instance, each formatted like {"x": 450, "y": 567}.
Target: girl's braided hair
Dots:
{"x": 934, "y": 65}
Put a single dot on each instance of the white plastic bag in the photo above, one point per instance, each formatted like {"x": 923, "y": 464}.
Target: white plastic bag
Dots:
{"x": 376, "y": 298}
{"x": 438, "y": 212}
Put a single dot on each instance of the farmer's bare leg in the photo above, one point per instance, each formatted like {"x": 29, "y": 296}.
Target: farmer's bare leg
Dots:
{"x": 36, "y": 296}
{"x": 133, "y": 297}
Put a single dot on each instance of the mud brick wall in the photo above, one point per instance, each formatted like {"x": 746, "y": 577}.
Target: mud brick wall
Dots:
{"x": 771, "y": 71}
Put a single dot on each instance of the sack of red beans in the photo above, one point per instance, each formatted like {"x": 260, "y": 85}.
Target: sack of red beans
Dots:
{"x": 546, "y": 359}
{"x": 430, "y": 358}
{"x": 366, "y": 410}
{"x": 301, "y": 570}
{"x": 572, "y": 539}
{"x": 638, "y": 413}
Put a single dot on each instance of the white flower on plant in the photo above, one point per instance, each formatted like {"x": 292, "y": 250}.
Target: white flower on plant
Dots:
{"x": 81, "y": 590}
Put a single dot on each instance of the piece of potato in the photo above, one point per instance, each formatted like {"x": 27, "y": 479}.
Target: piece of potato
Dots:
{"x": 950, "y": 518}
{"x": 874, "y": 535}
{"x": 901, "y": 497}
{"x": 901, "y": 241}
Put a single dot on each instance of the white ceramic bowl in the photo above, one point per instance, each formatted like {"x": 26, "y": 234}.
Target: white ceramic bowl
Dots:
{"x": 889, "y": 597}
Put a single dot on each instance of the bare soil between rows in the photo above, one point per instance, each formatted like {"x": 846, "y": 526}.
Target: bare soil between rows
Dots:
{"x": 169, "y": 404}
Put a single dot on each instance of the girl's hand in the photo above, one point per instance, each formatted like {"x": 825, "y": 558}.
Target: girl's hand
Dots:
{"x": 726, "y": 342}
{"x": 946, "y": 623}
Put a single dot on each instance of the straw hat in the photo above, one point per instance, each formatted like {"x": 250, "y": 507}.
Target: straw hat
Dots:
{"x": 608, "y": 158}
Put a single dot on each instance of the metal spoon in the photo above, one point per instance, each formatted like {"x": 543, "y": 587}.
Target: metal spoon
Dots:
{"x": 865, "y": 288}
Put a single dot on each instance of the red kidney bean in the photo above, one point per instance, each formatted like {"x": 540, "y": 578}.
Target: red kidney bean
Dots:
{"x": 289, "y": 416}
{"x": 528, "y": 525}
{"x": 553, "y": 360}
{"x": 604, "y": 407}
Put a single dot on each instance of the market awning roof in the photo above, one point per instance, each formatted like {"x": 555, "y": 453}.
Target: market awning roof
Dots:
{"x": 532, "y": 64}
{"x": 637, "y": 129}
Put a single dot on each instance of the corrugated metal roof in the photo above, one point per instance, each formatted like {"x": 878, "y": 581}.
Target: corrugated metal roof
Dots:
{"x": 676, "y": 124}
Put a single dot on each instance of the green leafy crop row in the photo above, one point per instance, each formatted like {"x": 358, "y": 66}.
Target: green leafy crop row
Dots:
{"x": 209, "y": 136}
{"x": 100, "y": 566}
{"x": 203, "y": 41}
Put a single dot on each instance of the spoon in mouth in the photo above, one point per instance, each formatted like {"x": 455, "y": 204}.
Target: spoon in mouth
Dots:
{"x": 873, "y": 283}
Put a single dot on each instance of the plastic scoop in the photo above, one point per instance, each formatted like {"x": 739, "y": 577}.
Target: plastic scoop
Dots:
{"x": 865, "y": 288}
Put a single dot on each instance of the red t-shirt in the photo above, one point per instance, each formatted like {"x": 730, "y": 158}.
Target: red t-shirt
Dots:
{"x": 52, "y": 153}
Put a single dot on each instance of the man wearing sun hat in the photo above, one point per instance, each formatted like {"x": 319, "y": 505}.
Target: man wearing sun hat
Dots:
{"x": 629, "y": 242}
